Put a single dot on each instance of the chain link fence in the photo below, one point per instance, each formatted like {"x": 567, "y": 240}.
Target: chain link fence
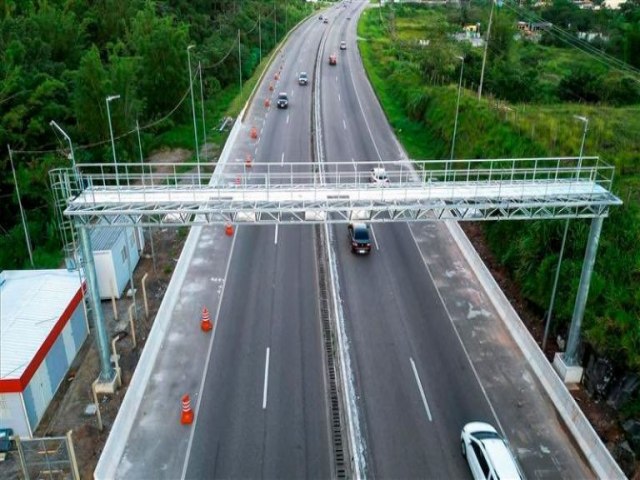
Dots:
{"x": 48, "y": 458}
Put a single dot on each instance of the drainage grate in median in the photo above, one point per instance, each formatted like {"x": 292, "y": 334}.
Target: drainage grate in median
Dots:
{"x": 335, "y": 411}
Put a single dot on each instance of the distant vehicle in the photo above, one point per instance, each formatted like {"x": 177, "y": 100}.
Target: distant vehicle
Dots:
{"x": 487, "y": 453}
{"x": 302, "y": 78}
{"x": 343, "y": 45}
{"x": 333, "y": 59}
{"x": 359, "y": 238}
{"x": 348, "y": 18}
{"x": 320, "y": 17}
{"x": 326, "y": 20}
{"x": 378, "y": 176}
{"x": 283, "y": 100}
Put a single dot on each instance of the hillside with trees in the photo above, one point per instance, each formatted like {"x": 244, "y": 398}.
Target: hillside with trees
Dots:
{"x": 60, "y": 59}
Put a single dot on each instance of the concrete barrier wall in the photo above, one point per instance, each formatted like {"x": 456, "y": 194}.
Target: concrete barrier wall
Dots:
{"x": 593, "y": 448}
{"x": 116, "y": 442}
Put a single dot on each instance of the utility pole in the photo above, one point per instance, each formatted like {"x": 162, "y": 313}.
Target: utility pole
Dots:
{"x": 486, "y": 46}
{"x": 22, "y": 214}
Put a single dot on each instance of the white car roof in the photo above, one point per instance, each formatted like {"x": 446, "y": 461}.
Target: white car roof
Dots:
{"x": 502, "y": 459}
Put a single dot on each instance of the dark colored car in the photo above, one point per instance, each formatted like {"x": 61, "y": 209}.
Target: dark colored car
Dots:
{"x": 359, "y": 238}
{"x": 283, "y": 100}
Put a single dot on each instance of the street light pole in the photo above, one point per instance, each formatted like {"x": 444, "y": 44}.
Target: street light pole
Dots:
{"x": 585, "y": 120}
{"x": 564, "y": 239}
{"x": 455, "y": 123}
{"x": 113, "y": 143}
{"x": 204, "y": 124}
{"x": 486, "y": 46}
{"x": 239, "y": 62}
{"x": 193, "y": 105}
{"x": 260, "y": 34}
{"x": 72, "y": 156}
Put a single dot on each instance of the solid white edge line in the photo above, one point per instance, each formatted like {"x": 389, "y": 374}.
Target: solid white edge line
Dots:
{"x": 424, "y": 398}
{"x": 266, "y": 380}
{"x": 455, "y": 329}
{"x": 375, "y": 240}
{"x": 206, "y": 368}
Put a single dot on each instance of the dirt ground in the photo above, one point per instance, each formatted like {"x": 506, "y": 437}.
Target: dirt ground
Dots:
{"x": 66, "y": 412}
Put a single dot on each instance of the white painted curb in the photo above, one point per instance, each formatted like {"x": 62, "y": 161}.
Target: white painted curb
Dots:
{"x": 597, "y": 455}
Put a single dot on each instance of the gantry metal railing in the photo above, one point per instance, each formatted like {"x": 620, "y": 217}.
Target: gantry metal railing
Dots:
{"x": 303, "y": 192}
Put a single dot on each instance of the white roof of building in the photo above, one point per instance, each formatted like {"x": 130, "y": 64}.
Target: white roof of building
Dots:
{"x": 32, "y": 302}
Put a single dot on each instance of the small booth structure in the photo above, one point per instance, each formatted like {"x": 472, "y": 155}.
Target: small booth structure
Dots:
{"x": 42, "y": 327}
{"x": 116, "y": 252}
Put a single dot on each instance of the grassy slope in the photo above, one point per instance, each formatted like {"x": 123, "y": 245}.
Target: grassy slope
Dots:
{"x": 488, "y": 130}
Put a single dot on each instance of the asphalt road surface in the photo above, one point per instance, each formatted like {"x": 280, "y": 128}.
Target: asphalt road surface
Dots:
{"x": 264, "y": 408}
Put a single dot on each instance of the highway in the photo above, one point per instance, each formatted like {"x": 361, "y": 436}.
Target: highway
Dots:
{"x": 426, "y": 350}
{"x": 264, "y": 415}
{"x": 415, "y": 384}
{"x": 394, "y": 317}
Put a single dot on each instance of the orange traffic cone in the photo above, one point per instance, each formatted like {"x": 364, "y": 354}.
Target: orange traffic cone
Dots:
{"x": 228, "y": 229}
{"x": 253, "y": 133}
{"x": 205, "y": 323}
{"x": 238, "y": 179}
{"x": 247, "y": 161}
{"x": 187, "y": 413}
{"x": 267, "y": 102}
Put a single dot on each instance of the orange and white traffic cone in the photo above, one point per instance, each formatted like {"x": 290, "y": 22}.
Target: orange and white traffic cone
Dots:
{"x": 205, "y": 323}
{"x": 187, "y": 414}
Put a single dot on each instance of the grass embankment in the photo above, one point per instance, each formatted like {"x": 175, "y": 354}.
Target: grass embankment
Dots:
{"x": 422, "y": 115}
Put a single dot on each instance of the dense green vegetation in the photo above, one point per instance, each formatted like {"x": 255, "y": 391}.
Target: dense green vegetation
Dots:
{"x": 60, "y": 59}
{"x": 417, "y": 85}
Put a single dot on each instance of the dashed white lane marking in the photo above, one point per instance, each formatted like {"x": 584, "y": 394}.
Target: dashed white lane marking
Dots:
{"x": 339, "y": 99}
{"x": 275, "y": 236}
{"x": 282, "y": 159}
{"x": 266, "y": 381}
{"x": 424, "y": 398}
{"x": 287, "y": 118}
{"x": 344, "y": 124}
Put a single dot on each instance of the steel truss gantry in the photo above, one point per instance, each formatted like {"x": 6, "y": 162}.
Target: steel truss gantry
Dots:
{"x": 162, "y": 194}
{"x": 268, "y": 193}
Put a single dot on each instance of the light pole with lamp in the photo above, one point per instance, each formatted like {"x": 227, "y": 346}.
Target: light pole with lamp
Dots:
{"x": 113, "y": 143}
{"x": 455, "y": 123}
{"x": 584, "y": 120}
{"x": 193, "y": 106}
{"x": 564, "y": 240}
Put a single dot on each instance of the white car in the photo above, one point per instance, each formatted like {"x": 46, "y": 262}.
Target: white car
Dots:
{"x": 488, "y": 454}
{"x": 378, "y": 176}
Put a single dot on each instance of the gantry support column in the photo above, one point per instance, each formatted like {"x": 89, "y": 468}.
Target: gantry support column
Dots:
{"x": 107, "y": 372}
{"x": 567, "y": 364}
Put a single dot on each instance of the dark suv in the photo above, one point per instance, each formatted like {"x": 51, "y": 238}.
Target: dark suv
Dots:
{"x": 283, "y": 100}
{"x": 359, "y": 238}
